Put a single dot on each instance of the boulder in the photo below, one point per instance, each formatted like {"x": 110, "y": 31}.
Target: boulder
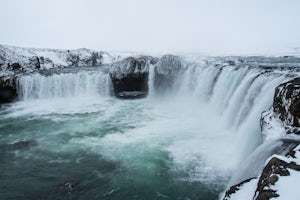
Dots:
{"x": 130, "y": 77}
{"x": 286, "y": 103}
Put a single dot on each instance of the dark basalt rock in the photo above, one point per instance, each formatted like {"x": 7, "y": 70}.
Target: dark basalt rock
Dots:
{"x": 15, "y": 66}
{"x": 270, "y": 176}
{"x": 130, "y": 77}
{"x": 287, "y": 103}
{"x": 35, "y": 61}
{"x": 8, "y": 91}
{"x": 131, "y": 86}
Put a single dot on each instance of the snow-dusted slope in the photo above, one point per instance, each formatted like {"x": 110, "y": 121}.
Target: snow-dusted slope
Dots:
{"x": 30, "y": 58}
{"x": 279, "y": 180}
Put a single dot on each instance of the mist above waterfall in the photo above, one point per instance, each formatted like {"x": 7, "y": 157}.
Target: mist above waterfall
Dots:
{"x": 193, "y": 131}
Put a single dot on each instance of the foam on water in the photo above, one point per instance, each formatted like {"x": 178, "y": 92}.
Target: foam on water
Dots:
{"x": 198, "y": 134}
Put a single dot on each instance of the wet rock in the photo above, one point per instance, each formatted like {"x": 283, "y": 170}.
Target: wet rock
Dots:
{"x": 8, "y": 91}
{"x": 286, "y": 103}
{"x": 131, "y": 86}
{"x": 130, "y": 77}
{"x": 132, "y": 95}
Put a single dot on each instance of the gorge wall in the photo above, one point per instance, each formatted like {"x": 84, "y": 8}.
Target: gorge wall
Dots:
{"x": 33, "y": 73}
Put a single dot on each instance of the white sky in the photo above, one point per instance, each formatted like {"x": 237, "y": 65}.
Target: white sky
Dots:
{"x": 205, "y": 26}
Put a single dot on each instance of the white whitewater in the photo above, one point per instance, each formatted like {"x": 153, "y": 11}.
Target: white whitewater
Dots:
{"x": 80, "y": 84}
{"x": 238, "y": 96}
{"x": 208, "y": 125}
{"x": 151, "y": 80}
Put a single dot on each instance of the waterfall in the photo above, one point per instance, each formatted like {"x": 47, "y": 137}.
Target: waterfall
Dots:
{"x": 235, "y": 95}
{"x": 151, "y": 81}
{"x": 83, "y": 84}
{"x": 238, "y": 94}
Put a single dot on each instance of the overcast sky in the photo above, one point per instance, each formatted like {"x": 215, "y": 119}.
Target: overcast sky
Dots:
{"x": 204, "y": 26}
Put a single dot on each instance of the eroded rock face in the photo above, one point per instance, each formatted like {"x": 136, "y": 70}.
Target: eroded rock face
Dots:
{"x": 130, "y": 77}
{"x": 8, "y": 91}
{"x": 287, "y": 103}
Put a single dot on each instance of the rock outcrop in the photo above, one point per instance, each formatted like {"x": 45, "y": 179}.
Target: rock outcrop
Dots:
{"x": 276, "y": 168}
{"x": 287, "y": 103}
{"x": 130, "y": 77}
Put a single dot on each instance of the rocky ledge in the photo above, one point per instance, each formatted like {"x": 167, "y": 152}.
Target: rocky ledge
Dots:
{"x": 280, "y": 176}
{"x": 129, "y": 76}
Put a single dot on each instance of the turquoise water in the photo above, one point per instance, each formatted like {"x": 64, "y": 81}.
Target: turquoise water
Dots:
{"x": 105, "y": 148}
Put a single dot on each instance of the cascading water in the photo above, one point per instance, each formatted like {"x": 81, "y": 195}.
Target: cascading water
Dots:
{"x": 151, "y": 81}
{"x": 237, "y": 96}
{"x": 76, "y": 141}
{"x": 37, "y": 86}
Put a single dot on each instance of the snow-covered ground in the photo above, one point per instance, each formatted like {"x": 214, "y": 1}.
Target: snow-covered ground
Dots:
{"x": 58, "y": 58}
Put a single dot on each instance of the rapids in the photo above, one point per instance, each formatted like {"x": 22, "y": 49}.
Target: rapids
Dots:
{"x": 69, "y": 138}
